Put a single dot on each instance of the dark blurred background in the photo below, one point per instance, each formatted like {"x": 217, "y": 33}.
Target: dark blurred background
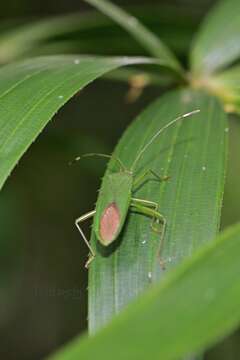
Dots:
{"x": 43, "y": 297}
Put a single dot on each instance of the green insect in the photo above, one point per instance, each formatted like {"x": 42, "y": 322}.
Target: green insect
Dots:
{"x": 116, "y": 198}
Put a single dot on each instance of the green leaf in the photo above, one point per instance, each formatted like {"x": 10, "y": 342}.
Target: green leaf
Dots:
{"x": 194, "y": 307}
{"x": 32, "y": 91}
{"x": 226, "y": 85}
{"x": 193, "y": 154}
{"x": 20, "y": 39}
{"x": 142, "y": 34}
{"x": 93, "y": 33}
{"x": 217, "y": 43}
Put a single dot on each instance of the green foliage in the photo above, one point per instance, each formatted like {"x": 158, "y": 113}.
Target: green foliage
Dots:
{"x": 144, "y": 36}
{"x": 170, "y": 319}
{"x": 91, "y": 33}
{"x": 196, "y": 304}
{"x": 32, "y": 91}
{"x": 193, "y": 154}
{"x": 217, "y": 43}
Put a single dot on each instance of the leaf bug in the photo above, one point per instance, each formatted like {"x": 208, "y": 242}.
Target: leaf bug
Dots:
{"x": 115, "y": 197}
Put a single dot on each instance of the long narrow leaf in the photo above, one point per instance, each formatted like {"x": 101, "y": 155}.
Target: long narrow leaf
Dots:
{"x": 93, "y": 33}
{"x": 193, "y": 154}
{"x": 217, "y": 43}
{"x": 143, "y": 35}
{"x": 32, "y": 91}
{"x": 196, "y": 306}
{"x": 19, "y": 39}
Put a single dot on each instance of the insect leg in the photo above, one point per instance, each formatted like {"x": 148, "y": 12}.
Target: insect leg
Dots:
{"x": 77, "y": 222}
{"x": 158, "y": 177}
{"x": 146, "y": 210}
{"x": 143, "y": 202}
{"x": 149, "y": 204}
{"x": 144, "y": 175}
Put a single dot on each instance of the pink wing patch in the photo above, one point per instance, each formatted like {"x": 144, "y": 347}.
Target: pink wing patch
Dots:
{"x": 109, "y": 224}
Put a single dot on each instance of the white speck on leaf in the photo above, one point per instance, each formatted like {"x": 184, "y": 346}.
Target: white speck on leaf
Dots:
{"x": 226, "y": 129}
{"x": 204, "y": 168}
{"x": 144, "y": 242}
{"x": 76, "y": 61}
{"x": 60, "y": 96}
{"x": 150, "y": 275}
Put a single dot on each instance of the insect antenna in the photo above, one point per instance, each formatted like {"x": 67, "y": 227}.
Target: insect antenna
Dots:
{"x": 159, "y": 132}
{"x": 118, "y": 161}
